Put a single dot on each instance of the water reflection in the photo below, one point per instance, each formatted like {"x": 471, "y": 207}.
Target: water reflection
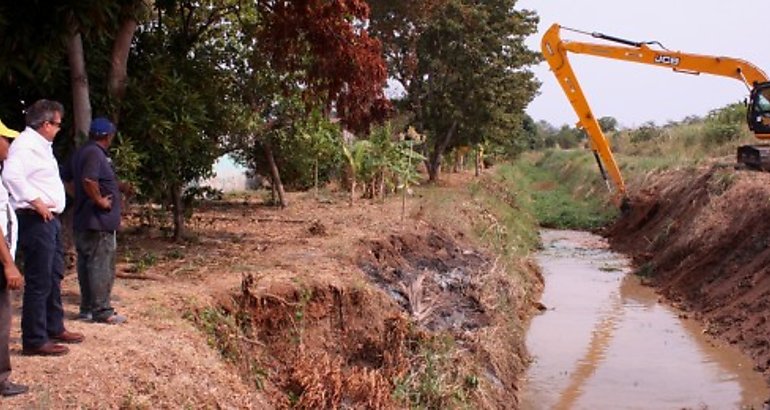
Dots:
{"x": 605, "y": 343}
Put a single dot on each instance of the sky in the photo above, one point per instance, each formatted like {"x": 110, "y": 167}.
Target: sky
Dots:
{"x": 636, "y": 93}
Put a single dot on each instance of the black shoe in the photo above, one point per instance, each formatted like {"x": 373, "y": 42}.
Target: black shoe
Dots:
{"x": 11, "y": 389}
{"x": 48, "y": 349}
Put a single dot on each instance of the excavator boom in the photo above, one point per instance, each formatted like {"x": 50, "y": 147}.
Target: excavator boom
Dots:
{"x": 555, "y": 50}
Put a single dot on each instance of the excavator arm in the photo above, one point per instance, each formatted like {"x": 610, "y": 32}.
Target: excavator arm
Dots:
{"x": 555, "y": 51}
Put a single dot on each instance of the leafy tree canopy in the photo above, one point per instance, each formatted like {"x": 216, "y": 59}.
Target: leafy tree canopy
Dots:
{"x": 327, "y": 42}
{"x": 463, "y": 64}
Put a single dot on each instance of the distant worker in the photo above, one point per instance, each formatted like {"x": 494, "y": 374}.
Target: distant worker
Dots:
{"x": 91, "y": 179}
{"x": 11, "y": 278}
{"x": 31, "y": 174}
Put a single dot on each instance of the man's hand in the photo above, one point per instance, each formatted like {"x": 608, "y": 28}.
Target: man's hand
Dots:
{"x": 42, "y": 209}
{"x": 105, "y": 202}
{"x": 91, "y": 188}
{"x": 13, "y": 276}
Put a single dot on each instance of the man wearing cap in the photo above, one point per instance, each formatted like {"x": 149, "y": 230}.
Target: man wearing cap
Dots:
{"x": 31, "y": 174}
{"x": 91, "y": 178}
{"x": 11, "y": 279}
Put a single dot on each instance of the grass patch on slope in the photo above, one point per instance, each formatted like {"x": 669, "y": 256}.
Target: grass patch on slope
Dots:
{"x": 564, "y": 188}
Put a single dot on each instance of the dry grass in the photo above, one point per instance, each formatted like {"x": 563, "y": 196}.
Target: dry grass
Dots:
{"x": 156, "y": 360}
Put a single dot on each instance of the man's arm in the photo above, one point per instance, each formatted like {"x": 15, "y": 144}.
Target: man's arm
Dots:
{"x": 90, "y": 167}
{"x": 12, "y": 275}
{"x": 91, "y": 189}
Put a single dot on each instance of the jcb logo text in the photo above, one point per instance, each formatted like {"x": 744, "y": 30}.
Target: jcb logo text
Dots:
{"x": 667, "y": 60}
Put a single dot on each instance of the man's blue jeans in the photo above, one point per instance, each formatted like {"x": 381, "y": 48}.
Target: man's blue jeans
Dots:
{"x": 42, "y": 313}
{"x": 96, "y": 271}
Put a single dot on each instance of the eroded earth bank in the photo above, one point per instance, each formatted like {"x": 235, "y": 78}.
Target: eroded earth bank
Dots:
{"x": 701, "y": 236}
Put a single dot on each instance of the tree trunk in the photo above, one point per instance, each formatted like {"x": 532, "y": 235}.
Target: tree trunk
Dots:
{"x": 81, "y": 102}
{"x": 81, "y": 109}
{"x": 353, "y": 190}
{"x": 116, "y": 83}
{"x": 381, "y": 188}
{"x": 276, "y": 175}
{"x": 273, "y": 191}
{"x": 315, "y": 178}
{"x": 479, "y": 159}
{"x": 178, "y": 212}
{"x": 434, "y": 161}
{"x": 405, "y": 183}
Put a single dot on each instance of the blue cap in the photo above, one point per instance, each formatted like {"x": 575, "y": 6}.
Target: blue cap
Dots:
{"x": 102, "y": 126}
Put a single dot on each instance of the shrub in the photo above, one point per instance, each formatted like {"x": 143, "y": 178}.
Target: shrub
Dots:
{"x": 730, "y": 114}
{"x": 646, "y": 132}
{"x": 716, "y": 133}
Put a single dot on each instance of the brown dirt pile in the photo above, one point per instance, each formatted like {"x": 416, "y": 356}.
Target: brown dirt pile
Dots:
{"x": 702, "y": 238}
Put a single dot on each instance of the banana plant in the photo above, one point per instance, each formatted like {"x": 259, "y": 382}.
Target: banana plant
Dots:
{"x": 381, "y": 163}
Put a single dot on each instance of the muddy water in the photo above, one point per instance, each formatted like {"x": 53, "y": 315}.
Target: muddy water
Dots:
{"x": 605, "y": 343}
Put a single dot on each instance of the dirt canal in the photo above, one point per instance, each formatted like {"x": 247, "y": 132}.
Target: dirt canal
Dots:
{"x": 604, "y": 341}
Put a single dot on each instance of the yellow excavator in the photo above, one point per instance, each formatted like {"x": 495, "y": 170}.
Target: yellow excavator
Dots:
{"x": 555, "y": 51}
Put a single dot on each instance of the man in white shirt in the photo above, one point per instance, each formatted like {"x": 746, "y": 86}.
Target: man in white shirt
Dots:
{"x": 11, "y": 279}
{"x": 31, "y": 174}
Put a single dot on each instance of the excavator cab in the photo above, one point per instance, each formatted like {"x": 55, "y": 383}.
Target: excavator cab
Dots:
{"x": 757, "y": 156}
{"x": 758, "y": 111}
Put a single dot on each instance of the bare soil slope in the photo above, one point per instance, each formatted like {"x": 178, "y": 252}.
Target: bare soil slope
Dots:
{"x": 321, "y": 305}
{"x": 701, "y": 236}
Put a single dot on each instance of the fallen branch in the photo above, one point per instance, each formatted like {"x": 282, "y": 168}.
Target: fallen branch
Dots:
{"x": 250, "y": 341}
{"x": 277, "y": 299}
{"x": 139, "y": 276}
{"x": 288, "y": 221}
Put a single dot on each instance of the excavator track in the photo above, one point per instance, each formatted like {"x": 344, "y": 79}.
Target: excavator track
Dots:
{"x": 755, "y": 157}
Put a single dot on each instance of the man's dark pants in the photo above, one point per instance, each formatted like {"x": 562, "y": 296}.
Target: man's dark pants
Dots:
{"x": 42, "y": 314}
{"x": 96, "y": 271}
{"x": 5, "y": 333}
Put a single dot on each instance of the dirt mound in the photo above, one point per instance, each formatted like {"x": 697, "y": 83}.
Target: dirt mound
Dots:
{"x": 701, "y": 236}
